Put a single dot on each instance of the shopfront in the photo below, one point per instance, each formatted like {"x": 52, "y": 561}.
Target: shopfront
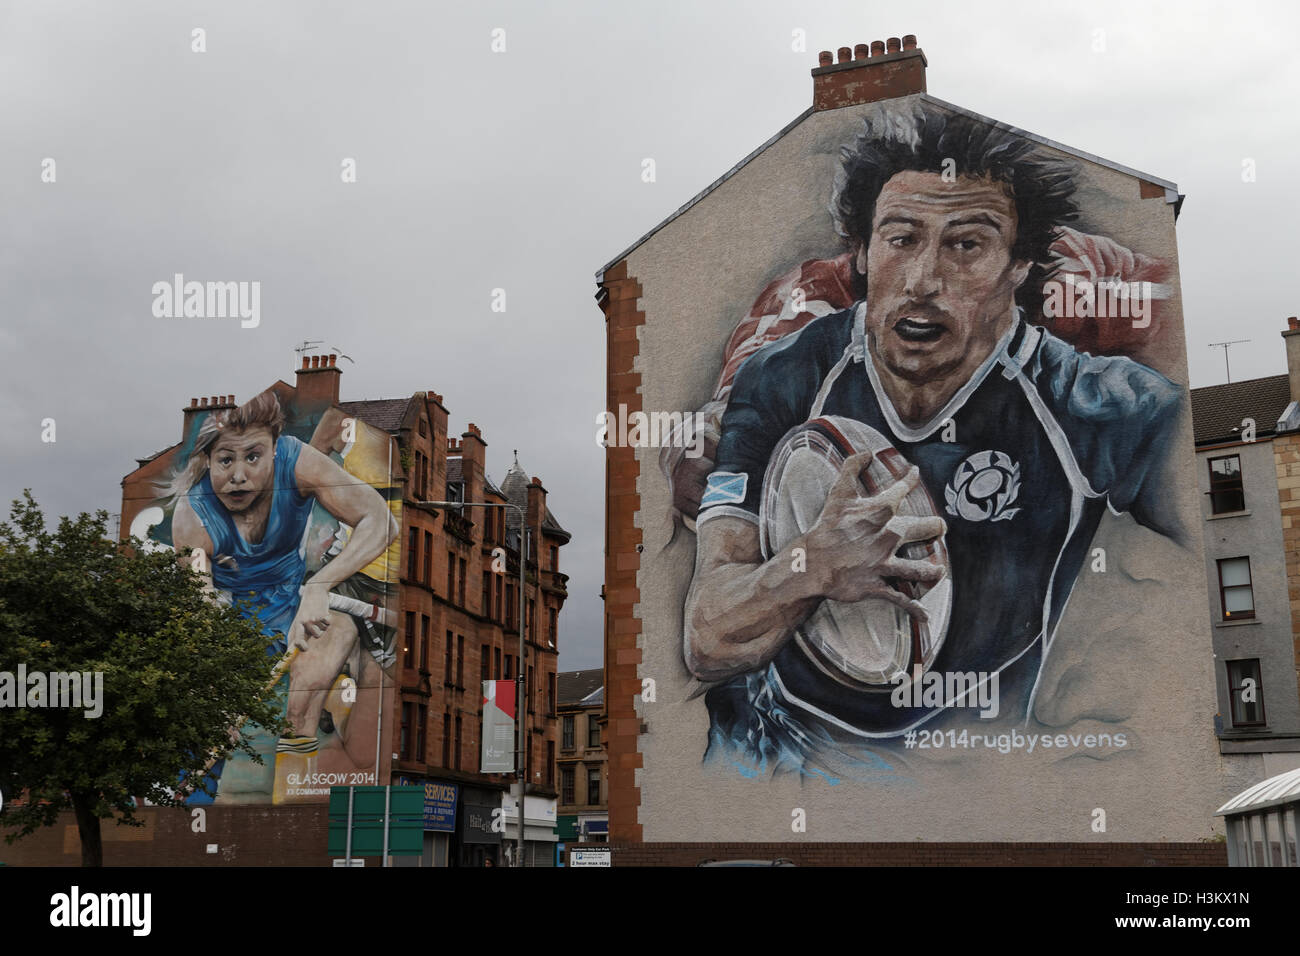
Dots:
{"x": 540, "y": 826}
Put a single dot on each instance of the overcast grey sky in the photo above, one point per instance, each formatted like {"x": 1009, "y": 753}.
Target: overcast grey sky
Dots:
{"x": 521, "y": 170}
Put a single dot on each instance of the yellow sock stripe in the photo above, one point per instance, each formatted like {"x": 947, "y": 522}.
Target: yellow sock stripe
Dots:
{"x": 297, "y": 745}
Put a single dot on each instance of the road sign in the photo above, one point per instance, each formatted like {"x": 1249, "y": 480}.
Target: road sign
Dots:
{"x": 404, "y": 819}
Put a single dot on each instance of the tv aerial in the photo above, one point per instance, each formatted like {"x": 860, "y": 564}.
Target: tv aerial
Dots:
{"x": 1225, "y": 346}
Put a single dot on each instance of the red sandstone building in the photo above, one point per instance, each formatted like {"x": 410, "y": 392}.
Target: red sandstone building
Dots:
{"x": 461, "y": 622}
{"x": 457, "y": 624}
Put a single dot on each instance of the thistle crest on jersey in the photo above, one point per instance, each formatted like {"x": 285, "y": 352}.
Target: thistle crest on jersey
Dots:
{"x": 983, "y": 487}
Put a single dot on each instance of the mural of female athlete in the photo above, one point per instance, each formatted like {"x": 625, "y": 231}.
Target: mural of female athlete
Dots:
{"x": 244, "y": 503}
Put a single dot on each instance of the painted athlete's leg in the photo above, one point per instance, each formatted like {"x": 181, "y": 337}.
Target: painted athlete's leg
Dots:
{"x": 359, "y": 743}
{"x": 313, "y": 672}
{"x": 342, "y": 695}
{"x": 310, "y": 677}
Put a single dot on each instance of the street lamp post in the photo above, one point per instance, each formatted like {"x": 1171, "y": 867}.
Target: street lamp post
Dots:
{"x": 521, "y": 676}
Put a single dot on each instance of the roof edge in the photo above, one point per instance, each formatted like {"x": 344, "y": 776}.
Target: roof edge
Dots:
{"x": 1171, "y": 188}
{"x": 600, "y": 274}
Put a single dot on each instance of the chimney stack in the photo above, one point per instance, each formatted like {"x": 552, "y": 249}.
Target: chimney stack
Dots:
{"x": 888, "y": 70}
{"x": 536, "y": 512}
{"x": 440, "y": 442}
{"x": 200, "y": 408}
{"x": 1291, "y": 335}
{"x": 318, "y": 381}
{"x": 473, "y": 462}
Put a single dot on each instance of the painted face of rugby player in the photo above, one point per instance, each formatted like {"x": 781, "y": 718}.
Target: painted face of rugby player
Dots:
{"x": 241, "y": 467}
{"x": 940, "y": 284}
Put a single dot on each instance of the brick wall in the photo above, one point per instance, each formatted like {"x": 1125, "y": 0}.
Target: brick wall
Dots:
{"x": 1286, "y": 455}
{"x": 622, "y": 557}
{"x": 920, "y": 854}
{"x": 244, "y": 835}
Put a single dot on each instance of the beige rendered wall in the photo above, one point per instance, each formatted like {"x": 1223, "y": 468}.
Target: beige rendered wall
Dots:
{"x": 1132, "y": 653}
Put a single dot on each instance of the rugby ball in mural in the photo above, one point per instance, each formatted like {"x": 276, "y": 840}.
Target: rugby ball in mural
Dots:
{"x": 871, "y": 644}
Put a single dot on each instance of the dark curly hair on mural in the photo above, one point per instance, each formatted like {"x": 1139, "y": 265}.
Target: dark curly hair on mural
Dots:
{"x": 928, "y": 139}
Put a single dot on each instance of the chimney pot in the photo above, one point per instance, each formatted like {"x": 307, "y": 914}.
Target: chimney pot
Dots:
{"x": 877, "y": 47}
{"x": 306, "y": 362}
{"x": 537, "y": 481}
{"x": 315, "y": 361}
{"x": 1293, "y": 322}
{"x": 194, "y": 403}
{"x": 333, "y": 359}
{"x": 203, "y": 402}
{"x": 214, "y": 400}
{"x": 895, "y": 45}
{"x": 909, "y": 41}
{"x": 861, "y": 52}
{"x": 845, "y": 54}
{"x": 825, "y": 58}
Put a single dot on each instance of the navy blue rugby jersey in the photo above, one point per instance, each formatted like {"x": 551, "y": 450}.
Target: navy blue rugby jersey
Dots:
{"x": 1045, "y": 438}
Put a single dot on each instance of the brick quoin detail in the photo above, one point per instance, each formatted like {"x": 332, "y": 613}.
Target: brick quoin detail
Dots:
{"x": 618, "y": 299}
{"x": 1286, "y": 455}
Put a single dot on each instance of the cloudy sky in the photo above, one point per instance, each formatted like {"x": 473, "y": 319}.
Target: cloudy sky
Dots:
{"x": 521, "y": 170}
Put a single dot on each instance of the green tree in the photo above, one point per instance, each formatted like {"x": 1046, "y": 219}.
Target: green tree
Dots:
{"x": 185, "y": 679}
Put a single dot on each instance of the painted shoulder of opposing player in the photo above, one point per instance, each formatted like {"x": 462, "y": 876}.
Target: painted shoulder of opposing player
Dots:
{"x": 773, "y": 392}
{"x": 1122, "y": 420}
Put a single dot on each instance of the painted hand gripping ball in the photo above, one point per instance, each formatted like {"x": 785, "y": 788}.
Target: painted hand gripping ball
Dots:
{"x": 868, "y": 645}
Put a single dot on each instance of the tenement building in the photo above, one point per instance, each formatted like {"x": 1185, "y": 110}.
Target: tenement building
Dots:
{"x": 1248, "y": 453}
{"x": 583, "y": 810}
{"x": 904, "y": 542}
{"x": 351, "y": 531}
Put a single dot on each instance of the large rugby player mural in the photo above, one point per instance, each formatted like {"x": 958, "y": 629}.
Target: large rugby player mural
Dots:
{"x": 912, "y": 441}
{"x": 292, "y": 511}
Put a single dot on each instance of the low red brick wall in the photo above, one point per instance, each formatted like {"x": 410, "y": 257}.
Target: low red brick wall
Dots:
{"x": 244, "y": 836}
{"x": 920, "y": 854}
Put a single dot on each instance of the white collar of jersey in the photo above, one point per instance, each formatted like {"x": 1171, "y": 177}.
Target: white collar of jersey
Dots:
{"x": 863, "y": 354}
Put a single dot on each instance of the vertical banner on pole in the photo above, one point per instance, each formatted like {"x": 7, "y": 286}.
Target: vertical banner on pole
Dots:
{"x": 498, "y": 745}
